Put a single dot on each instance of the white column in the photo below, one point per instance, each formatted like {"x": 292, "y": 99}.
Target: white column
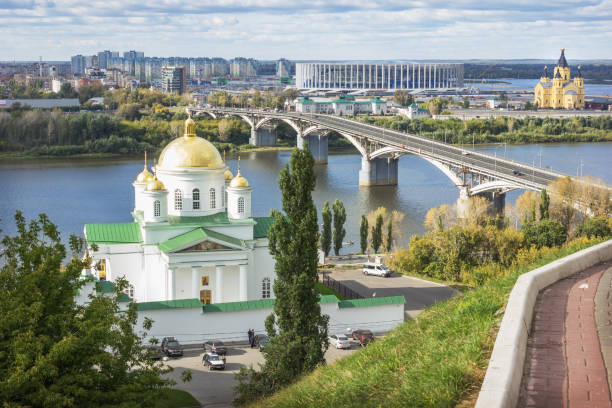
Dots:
{"x": 195, "y": 284}
{"x": 243, "y": 283}
{"x": 170, "y": 284}
{"x": 219, "y": 284}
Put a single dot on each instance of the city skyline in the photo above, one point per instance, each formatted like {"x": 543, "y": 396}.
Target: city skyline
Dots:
{"x": 337, "y": 30}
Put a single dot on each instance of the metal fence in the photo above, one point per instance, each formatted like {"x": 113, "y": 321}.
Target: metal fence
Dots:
{"x": 339, "y": 287}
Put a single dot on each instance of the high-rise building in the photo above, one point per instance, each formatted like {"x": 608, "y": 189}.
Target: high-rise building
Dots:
{"x": 173, "y": 79}
{"x": 242, "y": 67}
{"x": 283, "y": 68}
{"x": 132, "y": 55}
{"x": 78, "y": 64}
{"x": 104, "y": 58}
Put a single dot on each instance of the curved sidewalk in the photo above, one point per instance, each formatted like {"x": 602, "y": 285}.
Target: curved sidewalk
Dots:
{"x": 564, "y": 366}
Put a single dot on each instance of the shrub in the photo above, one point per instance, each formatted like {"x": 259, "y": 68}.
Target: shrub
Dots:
{"x": 544, "y": 233}
{"x": 595, "y": 227}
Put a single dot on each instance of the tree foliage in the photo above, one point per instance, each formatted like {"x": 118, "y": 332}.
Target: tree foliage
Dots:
{"x": 596, "y": 227}
{"x": 326, "y": 233}
{"x": 377, "y": 231}
{"x": 545, "y": 232}
{"x": 54, "y": 352}
{"x": 296, "y": 328}
{"x": 363, "y": 234}
{"x": 389, "y": 239}
{"x": 339, "y": 220}
{"x": 544, "y": 205}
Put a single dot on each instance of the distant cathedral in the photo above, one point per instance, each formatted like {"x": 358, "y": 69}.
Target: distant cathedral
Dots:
{"x": 561, "y": 92}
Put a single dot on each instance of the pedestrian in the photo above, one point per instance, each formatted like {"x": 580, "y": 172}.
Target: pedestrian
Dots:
{"x": 250, "y": 334}
{"x": 252, "y": 338}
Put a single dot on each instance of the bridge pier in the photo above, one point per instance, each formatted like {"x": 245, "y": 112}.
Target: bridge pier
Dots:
{"x": 497, "y": 200}
{"x": 381, "y": 171}
{"x": 264, "y": 136}
{"x": 317, "y": 143}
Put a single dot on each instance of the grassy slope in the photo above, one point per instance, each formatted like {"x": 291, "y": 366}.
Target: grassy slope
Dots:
{"x": 172, "y": 398}
{"x": 437, "y": 360}
{"x": 323, "y": 289}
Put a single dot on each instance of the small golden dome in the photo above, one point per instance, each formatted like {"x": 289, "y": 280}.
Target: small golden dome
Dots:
{"x": 228, "y": 175}
{"x": 189, "y": 151}
{"x": 144, "y": 176}
{"x": 155, "y": 184}
{"x": 239, "y": 181}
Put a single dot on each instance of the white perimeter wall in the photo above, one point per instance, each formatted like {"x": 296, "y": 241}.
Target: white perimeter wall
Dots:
{"x": 192, "y": 326}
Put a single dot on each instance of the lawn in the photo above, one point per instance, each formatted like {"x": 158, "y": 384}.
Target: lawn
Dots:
{"x": 172, "y": 398}
{"x": 323, "y": 289}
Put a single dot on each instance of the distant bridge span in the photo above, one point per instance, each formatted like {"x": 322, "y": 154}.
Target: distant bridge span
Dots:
{"x": 472, "y": 172}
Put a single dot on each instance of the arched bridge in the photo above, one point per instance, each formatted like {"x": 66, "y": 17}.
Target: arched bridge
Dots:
{"x": 472, "y": 172}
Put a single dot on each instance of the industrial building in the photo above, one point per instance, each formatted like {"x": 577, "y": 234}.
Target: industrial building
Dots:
{"x": 390, "y": 77}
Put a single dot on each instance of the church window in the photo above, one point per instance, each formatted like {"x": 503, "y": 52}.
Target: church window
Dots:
{"x": 178, "y": 199}
{"x": 130, "y": 291}
{"x": 156, "y": 208}
{"x": 241, "y": 205}
{"x": 213, "y": 198}
{"x": 265, "y": 288}
{"x": 196, "y": 199}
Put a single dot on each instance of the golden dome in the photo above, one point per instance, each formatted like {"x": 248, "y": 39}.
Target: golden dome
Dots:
{"x": 228, "y": 175}
{"x": 189, "y": 151}
{"x": 144, "y": 176}
{"x": 239, "y": 181}
{"x": 155, "y": 184}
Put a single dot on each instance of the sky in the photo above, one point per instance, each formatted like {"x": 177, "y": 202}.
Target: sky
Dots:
{"x": 308, "y": 30}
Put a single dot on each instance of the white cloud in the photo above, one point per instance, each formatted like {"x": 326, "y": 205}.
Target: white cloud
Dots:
{"x": 318, "y": 29}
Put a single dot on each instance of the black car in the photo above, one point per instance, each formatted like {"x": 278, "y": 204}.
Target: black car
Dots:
{"x": 171, "y": 347}
{"x": 215, "y": 346}
{"x": 364, "y": 337}
{"x": 517, "y": 172}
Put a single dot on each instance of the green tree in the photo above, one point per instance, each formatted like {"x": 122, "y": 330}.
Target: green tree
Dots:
{"x": 403, "y": 98}
{"x": 67, "y": 91}
{"x": 466, "y": 103}
{"x": 544, "y": 204}
{"x": 377, "y": 233}
{"x": 299, "y": 344}
{"x": 389, "y": 240}
{"x": 326, "y": 233}
{"x": 55, "y": 352}
{"x": 129, "y": 111}
{"x": 544, "y": 233}
{"x": 363, "y": 234}
{"x": 339, "y": 220}
{"x": 596, "y": 227}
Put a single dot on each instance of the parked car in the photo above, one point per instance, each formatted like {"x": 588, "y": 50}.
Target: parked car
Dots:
{"x": 215, "y": 346}
{"x": 155, "y": 351}
{"x": 517, "y": 172}
{"x": 340, "y": 341}
{"x": 363, "y": 336}
{"x": 171, "y": 347}
{"x": 376, "y": 269}
{"x": 261, "y": 341}
{"x": 213, "y": 361}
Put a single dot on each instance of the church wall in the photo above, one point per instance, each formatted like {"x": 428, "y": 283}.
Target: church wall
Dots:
{"x": 262, "y": 267}
{"x": 231, "y": 284}
{"x": 240, "y": 231}
{"x": 187, "y": 182}
{"x": 193, "y": 326}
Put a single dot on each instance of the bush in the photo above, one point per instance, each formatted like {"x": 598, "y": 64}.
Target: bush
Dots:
{"x": 544, "y": 233}
{"x": 596, "y": 227}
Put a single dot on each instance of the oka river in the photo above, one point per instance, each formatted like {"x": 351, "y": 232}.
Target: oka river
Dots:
{"x": 75, "y": 192}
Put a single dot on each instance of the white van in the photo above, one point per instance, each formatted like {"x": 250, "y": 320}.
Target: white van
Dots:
{"x": 376, "y": 269}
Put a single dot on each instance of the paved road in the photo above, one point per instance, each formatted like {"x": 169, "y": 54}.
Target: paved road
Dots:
{"x": 213, "y": 389}
{"x": 419, "y": 293}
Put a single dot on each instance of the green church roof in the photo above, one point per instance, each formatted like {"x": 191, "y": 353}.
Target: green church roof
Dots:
{"x": 113, "y": 233}
{"x": 262, "y": 225}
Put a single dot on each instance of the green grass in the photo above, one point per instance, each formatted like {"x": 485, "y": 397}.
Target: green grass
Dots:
{"x": 323, "y": 289}
{"x": 438, "y": 360}
{"x": 172, "y": 398}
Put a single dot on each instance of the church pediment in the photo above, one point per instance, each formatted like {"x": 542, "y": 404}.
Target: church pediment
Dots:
{"x": 206, "y": 246}
{"x": 201, "y": 239}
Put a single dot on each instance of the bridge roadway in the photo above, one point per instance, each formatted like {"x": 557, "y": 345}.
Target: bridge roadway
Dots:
{"x": 486, "y": 173}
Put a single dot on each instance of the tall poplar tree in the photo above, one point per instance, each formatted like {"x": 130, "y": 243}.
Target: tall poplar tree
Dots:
{"x": 363, "y": 234}
{"x": 377, "y": 234}
{"x": 544, "y": 204}
{"x": 389, "y": 240}
{"x": 326, "y": 234}
{"x": 339, "y": 220}
{"x": 296, "y": 328}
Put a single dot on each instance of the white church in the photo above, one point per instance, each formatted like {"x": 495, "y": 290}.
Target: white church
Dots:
{"x": 193, "y": 236}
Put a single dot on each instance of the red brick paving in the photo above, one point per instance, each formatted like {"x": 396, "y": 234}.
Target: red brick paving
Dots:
{"x": 564, "y": 366}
